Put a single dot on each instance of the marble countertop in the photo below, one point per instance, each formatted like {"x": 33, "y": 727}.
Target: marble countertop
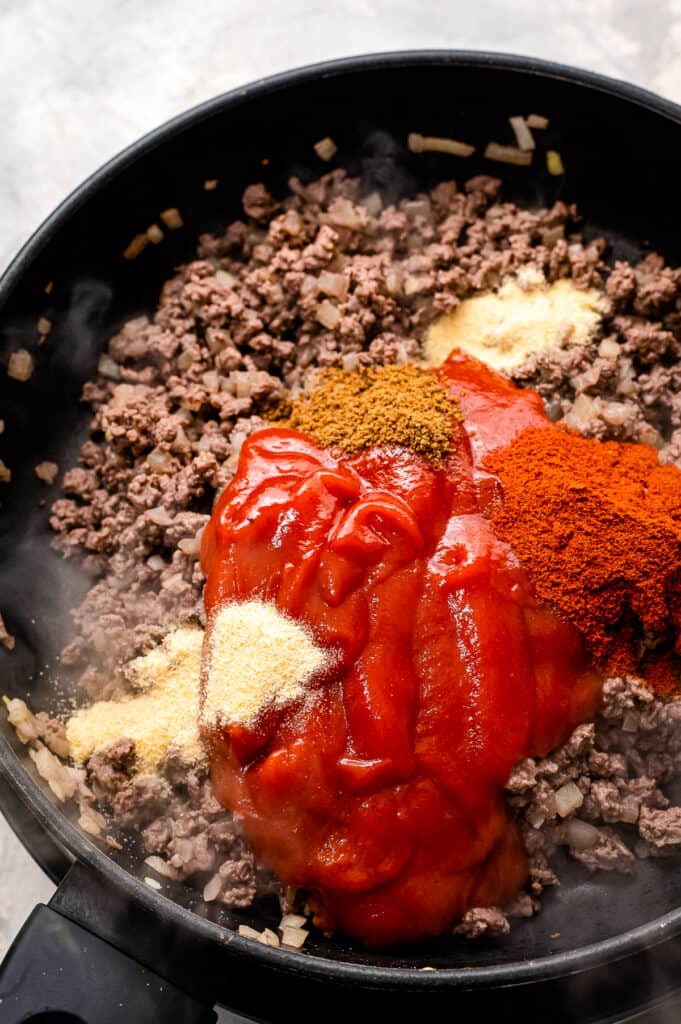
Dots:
{"x": 79, "y": 81}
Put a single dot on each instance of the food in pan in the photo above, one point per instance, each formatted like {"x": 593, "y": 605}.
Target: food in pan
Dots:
{"x": 438, "y": 634}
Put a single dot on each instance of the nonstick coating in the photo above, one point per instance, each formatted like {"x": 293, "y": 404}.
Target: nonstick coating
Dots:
{"x": 622, "y": 151}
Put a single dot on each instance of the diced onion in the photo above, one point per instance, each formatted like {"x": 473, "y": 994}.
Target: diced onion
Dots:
{"x": 138, "y": 244}
{"x": 212, "y": 889}
{"x": 160, "y": 516}
{"x": 608, "y": 349}
{"x": 335, "y": 285}
{"x": 568, "y": 799}
{"x": 160, "y": 461}
{"x": 292, "y": 921}
{"x": 225, "y": 278}
{"x": 20, "y": 366}
{"x": 522, "y": 133}
{"x": 327, "y": 315}
{"x": 326, "y": 148}
{"x": 160, "y": 866}
{"x": 630, "y": 810}
{"x": 581, "y": 835}
{"x": 172, "y": 218}
{"x": 436, "y": 144}
{"x": 293, "y": 937}
{"x": 155, "y": 234}
{"x": 537, "y": 121}
{"x": 508, "y": 154}
{"x": 108, "y": 368}
{"x": 342, "y": 213}
{"x": 373, "y": 204}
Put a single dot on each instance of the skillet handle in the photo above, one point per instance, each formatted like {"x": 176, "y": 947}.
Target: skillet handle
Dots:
{"x": 55, "y": 966}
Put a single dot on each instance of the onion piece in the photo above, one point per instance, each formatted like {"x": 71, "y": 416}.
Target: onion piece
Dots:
{"x": 47, "y": 472}
{"x": 161, "y": 867}
{"x": 327, "y": 315}
{"x": 522, "y": 133}
{"x": 335, "y": 285}
{"x": 435, "y": 144}
{"x": 226, "y": 279}
{"x": 373, "y": 204}
{"x": 568, "y": 799}
{"x": 325, "y": 148}
{"x": 581, "y": 835}
{"x": 508, "y": 154}
{"x": 248, "y": 932}
{"x": 537, "y": 121}
{"x": 172, "y": 218}
{"x": 155, "y": 234}
{"x": 212, "y": 889}
{"x": 138, "y": 244}
{"x": 343, "y": 213}
{"x": 20, "y": 365}
{"x": 293, "y": 937}
{"x": 106, "y": 367}
{"x": 91, "y": 821}
{"x": 160, "y": 515}
{"x": 292, "y": 921}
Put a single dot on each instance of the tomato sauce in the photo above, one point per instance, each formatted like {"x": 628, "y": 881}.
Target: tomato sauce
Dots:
{"x": 381, "y": 791}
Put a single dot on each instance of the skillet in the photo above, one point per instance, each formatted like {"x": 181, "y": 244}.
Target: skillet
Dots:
{"x": 109, "y": 948}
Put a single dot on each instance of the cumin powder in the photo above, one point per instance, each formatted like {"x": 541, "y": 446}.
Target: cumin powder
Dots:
{"x": 377, "y": 406}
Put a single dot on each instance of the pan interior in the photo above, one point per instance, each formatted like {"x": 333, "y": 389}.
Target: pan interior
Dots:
{"x": 623, "y": 167}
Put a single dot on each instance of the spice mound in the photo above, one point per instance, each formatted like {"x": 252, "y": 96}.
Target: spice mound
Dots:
{"x": 380, "y": 789}
{"x": 255, "y": 659}
{"x": 526, "y": 315}
{"x": 598, "y": 526}
{"x": 377, "y": 406}
{"x": 161, "y": 718}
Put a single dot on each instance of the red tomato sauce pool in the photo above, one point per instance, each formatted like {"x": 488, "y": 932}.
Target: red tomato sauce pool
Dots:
{"x": 381, "y": 791}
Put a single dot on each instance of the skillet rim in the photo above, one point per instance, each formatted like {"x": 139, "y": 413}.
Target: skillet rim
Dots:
{"x": 63, "y": 832}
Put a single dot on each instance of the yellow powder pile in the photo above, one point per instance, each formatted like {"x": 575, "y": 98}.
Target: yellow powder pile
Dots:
{"x": 351, "y": 410}
{"x": 255, "y": 658}
{"x": 162, "y": 717}
{"x": 525, "y": 315}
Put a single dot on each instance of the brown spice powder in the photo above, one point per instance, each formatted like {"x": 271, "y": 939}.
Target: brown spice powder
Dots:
{"x": 376, "y": 407}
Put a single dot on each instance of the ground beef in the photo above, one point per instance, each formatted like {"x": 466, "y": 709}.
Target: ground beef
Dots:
{"x": 240, "y": 324}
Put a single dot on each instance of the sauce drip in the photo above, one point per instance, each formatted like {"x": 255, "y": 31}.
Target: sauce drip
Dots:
{"x": 381, "y": 790}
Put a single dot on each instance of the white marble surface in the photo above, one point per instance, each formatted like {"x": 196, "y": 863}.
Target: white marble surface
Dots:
{"x": 80, "y": 80}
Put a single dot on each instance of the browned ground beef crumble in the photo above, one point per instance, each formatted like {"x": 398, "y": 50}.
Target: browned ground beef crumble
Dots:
{"x": 251, "y": 317}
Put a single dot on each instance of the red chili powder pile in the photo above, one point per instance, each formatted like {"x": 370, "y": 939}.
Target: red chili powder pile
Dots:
{"x": 598, "y": 527}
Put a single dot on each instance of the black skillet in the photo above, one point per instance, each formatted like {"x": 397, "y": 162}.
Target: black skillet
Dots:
{"x": 109, "y": 948}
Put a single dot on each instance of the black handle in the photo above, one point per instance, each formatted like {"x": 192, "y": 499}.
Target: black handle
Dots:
{"x": 56, "y": 969}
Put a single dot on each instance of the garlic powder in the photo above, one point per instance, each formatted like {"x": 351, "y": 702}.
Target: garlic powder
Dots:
{"x": 161, "y": 718}
{"x": 255, "y": 658}
{"x": 526, "y": 315}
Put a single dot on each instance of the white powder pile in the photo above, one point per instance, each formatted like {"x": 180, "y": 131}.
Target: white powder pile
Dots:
{"x": 254, "y": 658}
{"x": 524, "y": 316}
{"x": 163, "y": 717}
